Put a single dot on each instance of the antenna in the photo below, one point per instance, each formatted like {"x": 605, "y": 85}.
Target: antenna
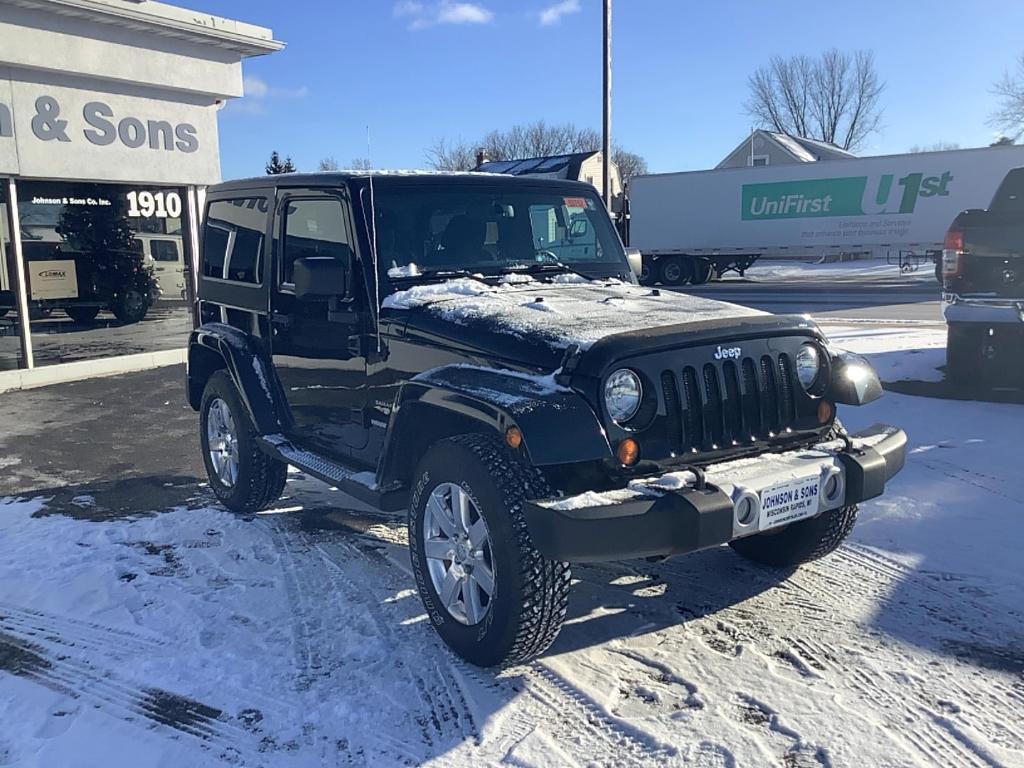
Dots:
{"x": 373, "y": 242}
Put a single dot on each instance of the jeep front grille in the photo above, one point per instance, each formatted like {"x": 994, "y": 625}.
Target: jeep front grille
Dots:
{"x": 730, "y": 403}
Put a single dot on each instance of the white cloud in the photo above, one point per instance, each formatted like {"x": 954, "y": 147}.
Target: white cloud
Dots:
{"x": 258, "y": 95}
{"x": 422, "y": 15}
{"x": 554, "y": 13}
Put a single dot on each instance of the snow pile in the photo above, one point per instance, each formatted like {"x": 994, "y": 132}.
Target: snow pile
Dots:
{"x": 897, "y": 354}
{"x": 789, "y": 270}
{"x": 574, "y": 311}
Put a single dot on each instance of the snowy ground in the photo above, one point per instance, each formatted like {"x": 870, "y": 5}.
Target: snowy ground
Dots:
{"x": 858, "y": 270}
{"x": 187, "y": 637}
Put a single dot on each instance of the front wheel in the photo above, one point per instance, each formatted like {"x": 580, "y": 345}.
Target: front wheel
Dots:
{"x": 491, "y": 596}
{"x": 244, "y": 479}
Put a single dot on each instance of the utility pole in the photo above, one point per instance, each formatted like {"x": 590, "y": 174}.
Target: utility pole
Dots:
{"x": 606, "y": 140}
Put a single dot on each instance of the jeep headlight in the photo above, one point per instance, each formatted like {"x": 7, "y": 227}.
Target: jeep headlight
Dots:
{"x": 622, "y": 395}
{"x": 808, "y": 366}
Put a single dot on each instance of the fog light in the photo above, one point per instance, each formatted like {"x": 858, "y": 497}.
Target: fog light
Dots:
{"x": 629, "y": 451}
{"x": 825, "y": 412}
{"x": 514, "y": 437}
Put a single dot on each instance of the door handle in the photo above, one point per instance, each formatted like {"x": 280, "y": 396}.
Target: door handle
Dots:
{"x": 281, "y": 319}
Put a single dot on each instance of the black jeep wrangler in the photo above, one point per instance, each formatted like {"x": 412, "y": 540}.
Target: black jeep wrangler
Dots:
{"x": 475, "y": 349}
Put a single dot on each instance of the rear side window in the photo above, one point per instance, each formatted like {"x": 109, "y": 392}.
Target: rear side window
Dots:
{"x": 1010, "y": 195}
{"x": 163, "y": 250}
{"x": 313, "y": 228}
{"x": 233, "y": 239}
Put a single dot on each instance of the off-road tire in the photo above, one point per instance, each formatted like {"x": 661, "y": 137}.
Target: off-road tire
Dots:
{"x": 82, "y": 315}
{"x": 130, "y": 306}
{"x": 531, "y": 592}
{"x": 261, "y": 478}
{"x": 804, "y": 541}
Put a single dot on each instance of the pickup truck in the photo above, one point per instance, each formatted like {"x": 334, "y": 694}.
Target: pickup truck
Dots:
{"x": 983, "y": 288}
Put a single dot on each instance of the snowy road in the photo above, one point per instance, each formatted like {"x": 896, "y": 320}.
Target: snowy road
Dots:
{"x": 188, "y": 637}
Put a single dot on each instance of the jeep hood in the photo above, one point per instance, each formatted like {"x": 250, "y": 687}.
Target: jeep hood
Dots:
{"x": 534, "y": 322}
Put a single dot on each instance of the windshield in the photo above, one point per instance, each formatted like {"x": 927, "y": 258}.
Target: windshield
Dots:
{"x": 491, "y": 231}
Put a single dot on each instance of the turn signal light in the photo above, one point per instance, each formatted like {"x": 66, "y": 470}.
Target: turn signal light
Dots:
{"x": 628, "y": 452}
{"x": 825, "y": 412}
{"x": 514, "y": 437}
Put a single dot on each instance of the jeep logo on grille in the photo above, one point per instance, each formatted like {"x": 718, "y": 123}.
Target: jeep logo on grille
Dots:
{"x": 725, "y": 353}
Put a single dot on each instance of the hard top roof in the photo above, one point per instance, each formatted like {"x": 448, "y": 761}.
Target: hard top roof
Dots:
{"x": 327, "y": 179}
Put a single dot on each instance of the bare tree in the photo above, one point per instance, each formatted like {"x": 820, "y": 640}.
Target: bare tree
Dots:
{"x": 1009, "y": 118}
{"x": 833, "y": 98}
{"x": 939, "y": 146}
{"x": 328, "y": 164}
{"x": 538, "y": 139}
{"x": 447, "y": 156}
{"x": 1003, "y": 141}
{"x": 361, "y": 164}
{"x": 630, "y": 164}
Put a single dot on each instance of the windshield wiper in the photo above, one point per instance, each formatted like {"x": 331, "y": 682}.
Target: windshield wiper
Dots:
{"x": 433, "y": 273}
{"x": 546, "y": 267}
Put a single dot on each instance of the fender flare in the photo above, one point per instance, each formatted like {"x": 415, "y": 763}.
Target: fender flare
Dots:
{"x": 247, "y": 362}
{"x": 558, "y": 425}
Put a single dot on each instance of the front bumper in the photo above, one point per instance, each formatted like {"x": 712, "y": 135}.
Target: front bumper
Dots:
{"x": 672, "y": 515}
{"x": 982, "y": 309}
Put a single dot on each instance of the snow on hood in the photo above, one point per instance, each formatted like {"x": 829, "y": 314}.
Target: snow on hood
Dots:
{"x": 571, "y": 310}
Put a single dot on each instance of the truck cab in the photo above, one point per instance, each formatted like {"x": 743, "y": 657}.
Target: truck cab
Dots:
{"x": 983, "y": 288}
{"x": 473, "y": 350}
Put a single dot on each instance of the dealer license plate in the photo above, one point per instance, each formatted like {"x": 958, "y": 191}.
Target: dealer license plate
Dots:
{"x": 787, "y": 502}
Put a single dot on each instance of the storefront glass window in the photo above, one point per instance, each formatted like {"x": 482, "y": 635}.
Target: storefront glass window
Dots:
{"x": 10, "y": 341}
{"x": 106, "y": 267}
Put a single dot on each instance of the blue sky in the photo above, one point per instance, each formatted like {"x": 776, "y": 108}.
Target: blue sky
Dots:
{"x": 416, "y": 71}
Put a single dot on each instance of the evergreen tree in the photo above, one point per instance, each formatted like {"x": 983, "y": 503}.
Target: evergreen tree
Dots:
{"x": 276, "y": 165}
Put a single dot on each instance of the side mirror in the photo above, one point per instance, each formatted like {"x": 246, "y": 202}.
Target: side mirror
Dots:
{"x": 320, "y": 277}
{"x": 854, "y": 380}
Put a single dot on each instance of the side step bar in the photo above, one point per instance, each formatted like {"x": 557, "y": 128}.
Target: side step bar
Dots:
{"x": 357, "y": 483}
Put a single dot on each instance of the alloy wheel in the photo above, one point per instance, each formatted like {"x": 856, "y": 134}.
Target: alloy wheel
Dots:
{"x": 222, "y": 442}
{"x": 460, "y": 560}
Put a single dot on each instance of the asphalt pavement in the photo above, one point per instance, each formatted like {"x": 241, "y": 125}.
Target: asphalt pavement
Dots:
{"x": 891, "y": 300}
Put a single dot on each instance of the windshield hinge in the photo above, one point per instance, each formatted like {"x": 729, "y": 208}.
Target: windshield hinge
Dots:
{"x": 570, "y": 361}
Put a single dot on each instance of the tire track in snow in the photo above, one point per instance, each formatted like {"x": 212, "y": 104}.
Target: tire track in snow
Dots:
{"x": 214, "y": 730}
{"x": 69, "y": 631}
{"x": 442, "y": 720}
{"x": 570, "y": 716}
{"x": 811, "y": 643}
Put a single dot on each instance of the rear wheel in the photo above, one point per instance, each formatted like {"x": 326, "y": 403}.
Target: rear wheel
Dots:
{"x": 673, "y": 271}
{"x": 244, "y": 479}
{"x": 82, "y": 315}
{"x": 702, "y": 271}
{"x": 491, "y": 596}
{"x": 130, "y": 306}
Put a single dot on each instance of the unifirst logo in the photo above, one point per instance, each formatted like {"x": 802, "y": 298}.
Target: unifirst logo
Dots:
{"x": 790, "y": 205}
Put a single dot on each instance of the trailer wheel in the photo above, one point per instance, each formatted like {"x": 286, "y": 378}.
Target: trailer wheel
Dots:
{"x": 675, "y": 271}
{"x": 702, "y": 271}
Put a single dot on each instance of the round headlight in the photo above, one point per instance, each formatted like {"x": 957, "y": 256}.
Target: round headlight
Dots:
{"x": 622, "y": 395}
{"x": 808, "y": 365}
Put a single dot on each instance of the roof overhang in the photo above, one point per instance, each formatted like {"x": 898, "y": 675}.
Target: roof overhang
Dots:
{"x": 167, "y": 21}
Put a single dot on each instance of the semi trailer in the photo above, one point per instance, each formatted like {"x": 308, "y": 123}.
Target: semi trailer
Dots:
{"x": 695, "y": 226}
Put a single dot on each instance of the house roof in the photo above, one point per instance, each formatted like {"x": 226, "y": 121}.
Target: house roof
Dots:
{"x": 799, "y": 148}
{"x": 555, "y": 166}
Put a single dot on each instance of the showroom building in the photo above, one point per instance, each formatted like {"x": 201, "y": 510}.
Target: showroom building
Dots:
{"x": 108, "y": 137}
